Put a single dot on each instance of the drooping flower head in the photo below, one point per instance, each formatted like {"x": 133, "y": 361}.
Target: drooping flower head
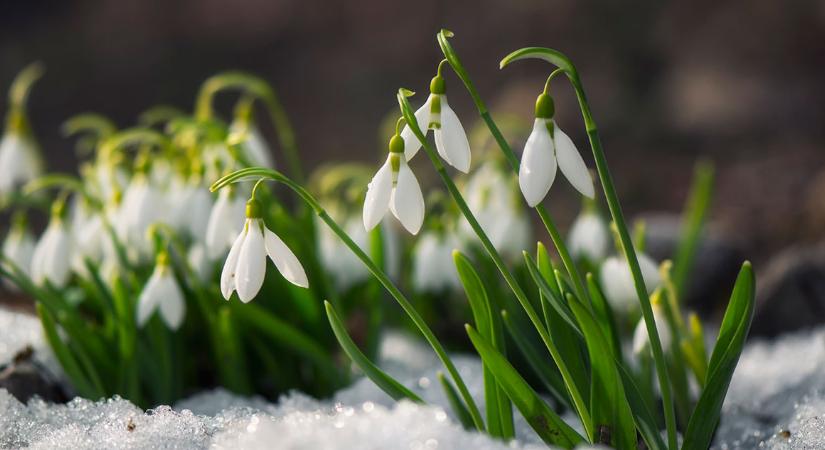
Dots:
{"x": 18, "y": 247}
{"x": 617, "y": 281}
{"x": 547, "y": 149}
{"x": 245, "y": 266}
{"x": 19, "y": 154}
{"x": 436, "y": 114}
{"x": 51, "y": 260}
{"x": 395, "y": 188}
{"x": 589, "y": 236}
{"x": 226, "y": 220}
{"x": 641, "y": 340}
{"x": 162, "y": 293}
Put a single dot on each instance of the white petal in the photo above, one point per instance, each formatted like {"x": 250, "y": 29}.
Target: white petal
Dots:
{"x": 230, "y": 267}
{"x": 538, "y": 164}
{"x": 58, "y": 258}
{"x": 411, "y": 142}
{"x": 251, "y": 263}
{"x": 641, "y": 340}
{"x": 19, "y": 248}
{"x": 407, "y": 202}
{"x": 618, "y": 285}
{"x": 451, "y": 140}
{"x": 377, "y": 200}
{"x": 286, "y": 261}
{"x": 149, "y": 298}
{"x": 650, "y": 272}
{"x": 571, "y": 164}
{"x": 172, "y": 304}
{"x": 589, "y": 237}
{"x": 226, "y": 220}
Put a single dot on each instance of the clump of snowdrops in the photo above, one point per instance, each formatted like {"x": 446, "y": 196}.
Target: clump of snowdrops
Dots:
{"x": 567, "y": 307}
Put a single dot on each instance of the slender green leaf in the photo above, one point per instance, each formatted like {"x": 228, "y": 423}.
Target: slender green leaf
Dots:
{"x": 693, "y": 218}
{"x": 547, "y": 424}
{"x": 726, "y": 352}
{"x": 387, "y": 384}
{"x": 461, "y": 411}
{"x": 547, "y": 292}
{"x": 604, "y": 314}
{"x": 67, "y": 360}
{"x": 642, "y": 416}
{"x": 608, "y": 403}
{"x": 543, "y": 367}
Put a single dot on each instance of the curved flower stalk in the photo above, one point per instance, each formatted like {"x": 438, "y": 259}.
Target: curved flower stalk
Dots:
{"x": 546, "y": 149}
{"x": 395, "y": 188}
{"x": 564, "y": 65}
{"x": 225, "y": 222}
{"x": 589, "y": 237}
{"x": 19, "y": 246}
{"x": 162, "y": 293}
{"x": 450, "y": 137}
{"x": 52, "y": 254}
{"x": 20, "y": 160}
{"x": 433, "y": 268}
{"x": 245, "y": 266}
{"x": 493, "y": 197}
{"x": 245, "y": 133}
{"x": 382, "y": 277}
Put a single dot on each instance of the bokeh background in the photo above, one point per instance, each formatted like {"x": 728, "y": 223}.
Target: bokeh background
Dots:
{"x": 741, "y": 83}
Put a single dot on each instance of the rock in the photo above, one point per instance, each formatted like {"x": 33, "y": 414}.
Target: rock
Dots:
{"x": 791, "y": 291}
{"x": 25, "y": 378}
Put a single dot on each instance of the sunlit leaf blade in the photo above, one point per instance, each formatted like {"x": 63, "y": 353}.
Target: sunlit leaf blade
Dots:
{"x": 693, "y": 219}
{"x": 608, "y": 403}
{"x": 726, "y": 352}
{"x": 605, "y": 316}
{"x": 456, "y": 404}
{"x": 482, "y": 316}
{"x": 547, "y": 424}
{"x": 387, "y": 384}
{"x": 557, "y": 303}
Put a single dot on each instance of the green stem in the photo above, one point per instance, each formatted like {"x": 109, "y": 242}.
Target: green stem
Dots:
{"x": 259, "y": 88}
{"x": 552, "y": 230}
{"x": 578, "y": 400}
{"x": 561, "y": 61}
{"x": 371, "y": 266}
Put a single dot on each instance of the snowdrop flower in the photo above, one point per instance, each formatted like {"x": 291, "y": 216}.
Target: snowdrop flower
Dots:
{"x": 245, "y": 266}
{"x": 199, "y": 262}
{"x": 52, "y": 254}
{"x": 162, "y": 292}
{"x": 345, "y": 268}
{"x": 394, "y": 188}
{"x": 617, "y": 281}
{"x": 196, "y": 211}
{"x": 19, "y": 161}
{"x": 142, "y": 205}
{"x": 19, "y": 246}
{"x": 493, "y": 198}
{"x": 450, "y": 137}
{"x": 589, "y": 236}
{"x": 641, "y": 341}
{"x": 225, "y": 222}
{"x": 546, "y": 149}
{"x": 252, "y": 142}
{"x": 433, "y": 267}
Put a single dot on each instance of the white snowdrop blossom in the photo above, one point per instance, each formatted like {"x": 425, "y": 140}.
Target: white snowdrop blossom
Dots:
{"x": 493, "y": 198}
{"x": 162, "y": 292}
{"x": 394, "y": 188}
{"x": 589, "y": 237}
{"x": 433, "y": 267}
{"x": 617, "y": 281}
{"x": 255, "y": 148}
{"x": 547, "y": 149}
{"x": 19, "y": 161}
{"x": 641, "y": 340}
{"x": 346, "y": 269}
{"x": 18, "y": 247}
{"x": 450, "y": 138}
{"x": 196, "y": 211}
{"x": 52, "y": 254}
{"x": 245, "y": 265}
{"x": 142, "y": 206}
{"x": 225, "y": 222}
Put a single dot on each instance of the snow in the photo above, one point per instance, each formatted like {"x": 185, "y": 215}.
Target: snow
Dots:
{"x": 776, "y": 401}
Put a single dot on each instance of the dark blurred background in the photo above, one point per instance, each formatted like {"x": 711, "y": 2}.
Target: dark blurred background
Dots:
{"x": 738, "y": 82}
